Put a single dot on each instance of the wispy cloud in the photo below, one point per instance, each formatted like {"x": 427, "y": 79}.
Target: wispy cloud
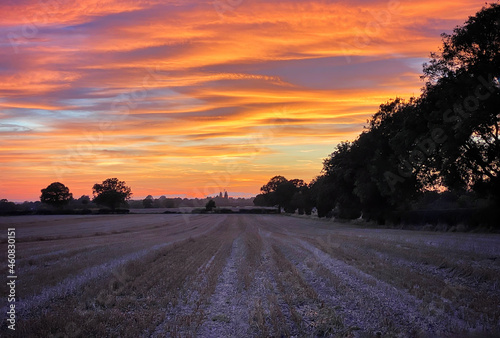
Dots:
{"x": 169, "y": 95}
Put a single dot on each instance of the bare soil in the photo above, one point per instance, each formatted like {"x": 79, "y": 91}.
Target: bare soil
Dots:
{"x": 165, "y": 275}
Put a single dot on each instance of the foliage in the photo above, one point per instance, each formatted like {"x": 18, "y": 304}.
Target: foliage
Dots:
{"x": 321, "y": 192}
{"x": 7, "y": 207}
{"x": 287, "y": 194}
{"x": 56, "y": 194}
{"x": 84, "y": 200}
{"x": 445, "y": 140}
{"x": 111, "y": 193}
{"x": 148, "y": 202}
{"x": 462, "y": 96}
{"x": 210, "y": 205}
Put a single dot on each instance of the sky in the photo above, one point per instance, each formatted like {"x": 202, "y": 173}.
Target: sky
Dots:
{"x": 189, "y": 98}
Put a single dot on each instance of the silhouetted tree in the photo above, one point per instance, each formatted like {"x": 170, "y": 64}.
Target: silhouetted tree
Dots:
{"x": 168, "y": 202}
{"x": 210, "y": 205}
{"x": 261, "y": 200}
{"x": 111, "y": 193}
{"x": 84, "y": 200}
{"x": 284, "y": 193}
{"x": 390, "y": 175}
{"x": 298, "y": 202}
{"x": 81, "y": 203}
{"x": 449, "y": 137}
{"x": 462, "y": 96}
{"x": 301, "y": 199}
{"x": 340, "y": 169}
{"x": 322, "y": 194}
{"x": 6, "y": 206}
{"x": 148, "y": 202}
{"x": 279, "y": 192}
{"x": 56, "y": 194}
{"x": 273, "y": 184}
{"x": 268, "y": 190}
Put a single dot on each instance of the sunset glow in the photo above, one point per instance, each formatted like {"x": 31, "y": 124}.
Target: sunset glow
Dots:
{"x": 189, "y": 98}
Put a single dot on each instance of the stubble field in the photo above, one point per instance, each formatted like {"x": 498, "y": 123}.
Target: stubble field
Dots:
{"x": 247, "y": 275}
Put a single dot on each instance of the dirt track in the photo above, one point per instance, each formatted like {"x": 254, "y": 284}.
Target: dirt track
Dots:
{"x": 246, "y": 275}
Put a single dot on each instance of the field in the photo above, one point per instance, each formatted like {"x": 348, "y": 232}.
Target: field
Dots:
{"x": 247, "y": 275}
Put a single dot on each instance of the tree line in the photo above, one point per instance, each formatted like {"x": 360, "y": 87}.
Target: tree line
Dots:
{"x": 438, "y": 150}
{"x": 177, "y": 202}
{"x": 111, "y": 193}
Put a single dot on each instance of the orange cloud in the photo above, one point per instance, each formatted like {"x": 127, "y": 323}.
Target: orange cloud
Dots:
{"x": 187, "y": 97}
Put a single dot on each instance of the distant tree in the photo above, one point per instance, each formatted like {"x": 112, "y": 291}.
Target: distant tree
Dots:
{"x": 111, "y": 193}
{"x": 81, "y": 203}
{"x": 56, "y": 195}
{"x": 84, "y": 199}
{"x": 273, "y": 184}
{"x": 279, "y": 192}
{"x": 269, "y": 196}
{"x": 210, "y": 205}
{"x": 159, "y": 202}
{"x": 6, "y": 206}
{"x": 169, "y": 202}
{"x": 261, "y": 200}
{"x": 148, "y": 202}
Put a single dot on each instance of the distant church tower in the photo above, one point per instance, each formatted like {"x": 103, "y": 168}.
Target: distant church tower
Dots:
{"x": 225, "y": 195}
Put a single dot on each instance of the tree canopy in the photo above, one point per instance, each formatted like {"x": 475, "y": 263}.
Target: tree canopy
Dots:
{"x": 148, "y": 202}
{"x": 111, "y": 193}
{"x": 462, "y": 98}
{"x": 286, "y": 194}
{"x": 210, "y": 205}
{"x": 56, "y": 194}
{"x": 445, "y": 140}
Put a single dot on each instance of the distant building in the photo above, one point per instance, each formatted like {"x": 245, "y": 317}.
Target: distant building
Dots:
{"x": 225, "y": 195}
